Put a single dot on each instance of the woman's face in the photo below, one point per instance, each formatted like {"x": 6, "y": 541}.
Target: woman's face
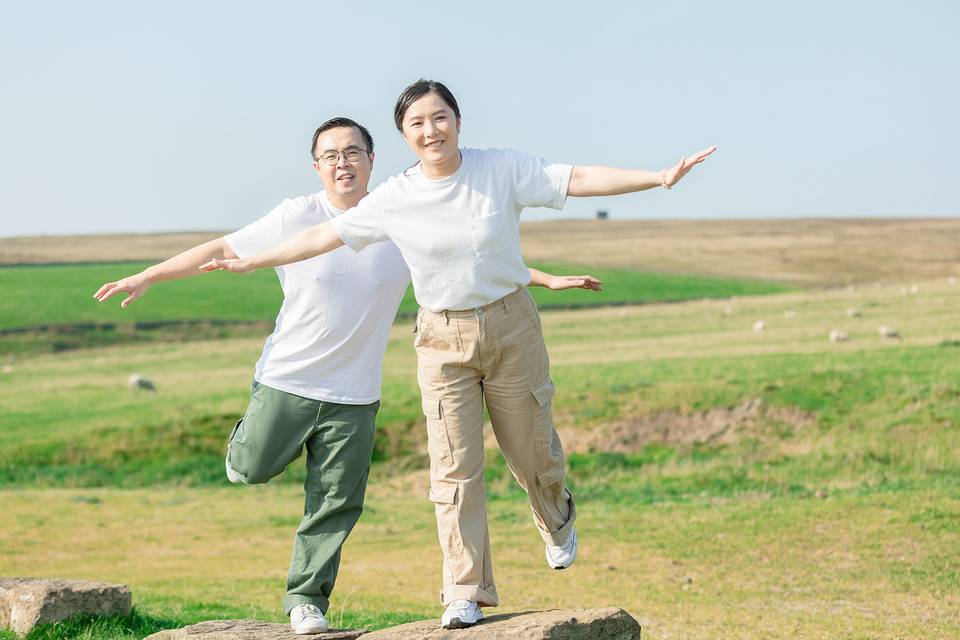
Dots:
{"x": 431, "y": 128}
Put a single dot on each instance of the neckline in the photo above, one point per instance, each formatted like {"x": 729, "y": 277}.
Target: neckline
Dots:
{"x": 445, "y": 179}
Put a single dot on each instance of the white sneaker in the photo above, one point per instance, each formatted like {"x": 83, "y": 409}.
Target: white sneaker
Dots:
{"x": 460, "y": 614}
{"x": 306, "y": 619}
{"x": 563, "y": 556}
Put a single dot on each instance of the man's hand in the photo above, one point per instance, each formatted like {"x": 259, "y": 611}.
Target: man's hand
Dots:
{"x": 673, "y": 175}
{"x": 237, "y": 265}
{"x": 134, "y": 286}
{"x": 559, "y": 283}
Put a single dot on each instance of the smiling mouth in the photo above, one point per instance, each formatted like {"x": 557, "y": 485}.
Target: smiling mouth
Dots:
{"x": 344, "y": 177}
{"x": 434, "y": 144}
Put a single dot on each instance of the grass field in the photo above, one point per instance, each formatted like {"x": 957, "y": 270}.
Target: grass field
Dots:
{"x": 816, "y": 252}
{"x": 730, "y": 483}
{"x": 50, "y": 307}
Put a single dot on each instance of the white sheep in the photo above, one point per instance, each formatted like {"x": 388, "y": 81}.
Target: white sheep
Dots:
{"x": 889, "y": 332}
{"x": 759, "y": 326}
{"x": 838, "y": 336}
{"x": 853, "y": 312}
{"x": 136, "y": 382}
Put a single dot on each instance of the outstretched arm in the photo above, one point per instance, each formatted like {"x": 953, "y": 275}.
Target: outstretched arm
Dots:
{"x": 608, "y": 181}
{"x": 311, "y": 242}
{"x": 558, "y": 283}
{"x": 179, "y": 266}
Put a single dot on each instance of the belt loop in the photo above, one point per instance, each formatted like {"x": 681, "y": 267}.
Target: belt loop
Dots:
{"x": 506, "y": 307}
{"x": 446, "y": 317}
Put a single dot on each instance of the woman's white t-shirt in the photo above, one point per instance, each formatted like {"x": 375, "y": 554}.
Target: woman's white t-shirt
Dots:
{"x": 333, "y": 326}
{"x": 459, "y": 235}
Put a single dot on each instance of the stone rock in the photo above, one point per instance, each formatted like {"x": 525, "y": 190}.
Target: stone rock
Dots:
{"x": 27, "y": 602}
{"x": 247, "y": 630}
{"x": 555, "y": 624}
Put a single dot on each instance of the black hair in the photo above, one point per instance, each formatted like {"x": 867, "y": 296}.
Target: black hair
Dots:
{"x": 416, "y": 91}
{"x": 334, "y": 123}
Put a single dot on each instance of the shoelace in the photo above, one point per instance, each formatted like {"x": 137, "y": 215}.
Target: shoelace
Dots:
{"x": 310, "y": 610}
{"x": 460, "y": 605}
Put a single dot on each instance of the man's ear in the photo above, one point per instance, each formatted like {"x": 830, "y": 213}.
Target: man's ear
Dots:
{"x": 458, "y": 125}
{"x": 372, "y": 156}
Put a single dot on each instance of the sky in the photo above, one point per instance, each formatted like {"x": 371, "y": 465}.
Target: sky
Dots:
{"x": 137, "y": 116}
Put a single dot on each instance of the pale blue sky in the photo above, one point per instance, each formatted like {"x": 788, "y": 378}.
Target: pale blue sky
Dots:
{"x": 145, "y": 116}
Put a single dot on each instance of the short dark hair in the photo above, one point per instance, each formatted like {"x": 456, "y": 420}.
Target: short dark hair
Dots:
{"x": 334, "y": 123}
{"x": 416, "y": 91}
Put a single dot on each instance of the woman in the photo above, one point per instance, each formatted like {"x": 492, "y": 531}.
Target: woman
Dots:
{"x": 455, "y": 218}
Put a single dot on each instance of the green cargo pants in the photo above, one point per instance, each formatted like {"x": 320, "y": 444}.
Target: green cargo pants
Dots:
{"x": 339, "y": 442}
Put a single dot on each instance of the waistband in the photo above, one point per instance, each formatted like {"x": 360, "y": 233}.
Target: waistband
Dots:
{"x": 505, "y": 303}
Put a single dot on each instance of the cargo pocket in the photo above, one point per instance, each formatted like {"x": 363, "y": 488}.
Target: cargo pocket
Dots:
{"x": 438, "y": 440}
{"x": 543, "y": 414}
{"x": 444, "y": 497}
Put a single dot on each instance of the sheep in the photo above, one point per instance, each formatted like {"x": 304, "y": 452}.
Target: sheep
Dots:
{"x": 838, "y": 336}
{"x": 853, "y": 312}
{"x": 889, "y": 332}
{"x": 136, "y": 382}
{"x": 759, "y": 325}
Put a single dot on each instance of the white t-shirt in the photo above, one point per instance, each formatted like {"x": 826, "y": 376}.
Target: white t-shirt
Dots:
{"x": 460, "y": 235}
{"x": 332, "y": 330}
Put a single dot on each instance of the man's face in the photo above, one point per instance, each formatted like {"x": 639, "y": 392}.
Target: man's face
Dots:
{"x": 344, "y": 177}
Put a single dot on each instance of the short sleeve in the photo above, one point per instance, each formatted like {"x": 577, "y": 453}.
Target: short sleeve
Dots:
{"x": 261, "y": 235}
{"x": 364, "y": 224}
{"x": 538, "y": 183}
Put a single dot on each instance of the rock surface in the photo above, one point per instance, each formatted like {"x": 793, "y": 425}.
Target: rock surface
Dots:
{"x": 555, "y": 624}
{"x": 247, "y": 630}
{"x": 27, "y": 602}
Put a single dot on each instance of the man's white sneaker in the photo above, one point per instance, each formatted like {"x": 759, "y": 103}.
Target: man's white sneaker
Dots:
{"x": 563, "y": 556}
{"x": 460, "y": 614}
{"x": 306, "y": 619}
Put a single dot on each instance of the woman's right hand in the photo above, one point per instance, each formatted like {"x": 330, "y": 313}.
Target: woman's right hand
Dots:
{"x": 559, "y": 283}
{"x": 235, "y": 265}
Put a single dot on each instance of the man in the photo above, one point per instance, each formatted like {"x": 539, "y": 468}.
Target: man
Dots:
{"x": 317, "y": 382}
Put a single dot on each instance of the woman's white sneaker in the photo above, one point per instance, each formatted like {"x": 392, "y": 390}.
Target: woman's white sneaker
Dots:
{"x": 306, "y": 619}
{"x": 563, "y": 556}
{"x": 460, "y": 614}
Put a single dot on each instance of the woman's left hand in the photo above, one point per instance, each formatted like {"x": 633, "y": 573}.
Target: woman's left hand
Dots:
{"x": 559, "y": 283}
{"x": 673, "y": 175}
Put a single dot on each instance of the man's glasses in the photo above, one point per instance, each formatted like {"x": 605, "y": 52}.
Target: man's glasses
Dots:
{"x": 351, "y": 154}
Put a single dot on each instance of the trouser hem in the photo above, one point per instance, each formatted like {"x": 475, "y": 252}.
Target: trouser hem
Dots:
{"x": 483, "y": 597}
{"x": 560, "y": 536}
{"x": 293, "y": 599}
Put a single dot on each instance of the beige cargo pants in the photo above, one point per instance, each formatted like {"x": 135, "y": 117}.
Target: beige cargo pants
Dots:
{"x": 494, "y": 354}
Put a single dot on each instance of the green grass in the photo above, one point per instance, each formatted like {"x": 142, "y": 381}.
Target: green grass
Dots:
{"x": 139, "y": 625}
{"x": 62, "y": 294}
{"x": 835, "y": 512}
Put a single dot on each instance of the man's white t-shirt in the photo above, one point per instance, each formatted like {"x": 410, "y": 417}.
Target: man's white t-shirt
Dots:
{"x": 460, "y": 235}
{"x": 333, "y": 326}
